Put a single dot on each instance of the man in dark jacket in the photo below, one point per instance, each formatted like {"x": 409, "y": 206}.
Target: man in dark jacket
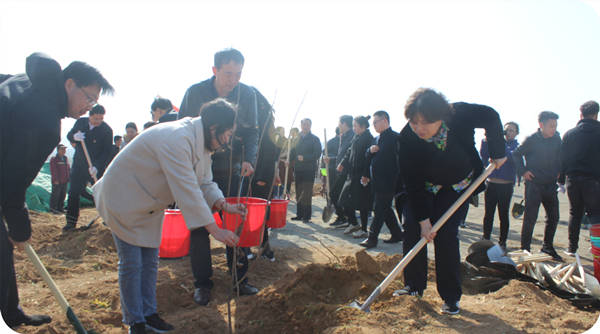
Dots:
{"x": 305, "y": 156}
{"x": 346, "y": 135}
{"x": 118, "y": 140}
{"x": 542, "y": 154}
{"x": 31, "y": 107}
{"x": 59, "y": 171}
{"x": 580, "y": 163}
{"x": 162, "y": 110}
{"x": 227, "y": 70}
{"x": 384, "y": 165}
{"x": 98, "y": 137}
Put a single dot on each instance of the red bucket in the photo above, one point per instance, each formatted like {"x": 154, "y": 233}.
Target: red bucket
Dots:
{"x": 175, "y": 236}
{"x": 253, "y": 225}
{"x": 278, "y": 214}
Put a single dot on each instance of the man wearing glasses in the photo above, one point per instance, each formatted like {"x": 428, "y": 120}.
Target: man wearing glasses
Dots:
{"x": 32, "y": 105}
{"x": 97, "y": 136}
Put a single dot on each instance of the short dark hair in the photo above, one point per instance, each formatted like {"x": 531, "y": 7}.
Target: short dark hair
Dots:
{"x": 382, "y": 113}
{"x": 117, "y": 137}
{"x": 346, "y": 119}
{"x": 149, "y": 124}
{"x": 131, "y": 125}
{"x": 97, "y": 110}
{"x": 217, "y": 112}
{"x": 228, "y": 55}
{"x": 589, "y": 109}
{"x": 513, "y": 124}
{"x": 306, "y": 120}
{"x": 362, "y": 121}
{"x": 85, "y": 75}
{"x": 429, "y": 103}
{"x": 544, "y": 116}
{"x": 162, "y": 103}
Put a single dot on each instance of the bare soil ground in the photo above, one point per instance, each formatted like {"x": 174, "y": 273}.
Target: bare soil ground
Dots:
{"x": 306, "y": 290}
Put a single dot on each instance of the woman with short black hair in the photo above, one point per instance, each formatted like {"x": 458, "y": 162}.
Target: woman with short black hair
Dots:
{"x": 439, "y": 161}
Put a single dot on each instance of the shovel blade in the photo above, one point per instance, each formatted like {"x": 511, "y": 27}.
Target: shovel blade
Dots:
{"x": 356, "y": 304}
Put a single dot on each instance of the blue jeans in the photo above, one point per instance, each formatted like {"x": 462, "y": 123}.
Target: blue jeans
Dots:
{"x": 138, "y": 269}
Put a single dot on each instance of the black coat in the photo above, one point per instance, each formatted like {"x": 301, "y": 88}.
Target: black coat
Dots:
{"x": 31, "y": 107}
{"x": 580, "y": 151}
{"x": 421, "y": 161}
{"x": 356, "y": 165}
{"x": 542, "y": 157}
{"x": 309, "y": 147}
{"x": 385, "y": 169}
{"x": 245, "y": 139}
{"x": 98, "y": 142}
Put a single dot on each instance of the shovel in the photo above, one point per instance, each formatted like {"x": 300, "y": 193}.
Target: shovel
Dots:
{"x": 89, "y": 161}
{"x": 328, "y": 209}
{"x": 518, "y": 209}
{"x": 417, "y": 248}
{"x": 55, "y": 291}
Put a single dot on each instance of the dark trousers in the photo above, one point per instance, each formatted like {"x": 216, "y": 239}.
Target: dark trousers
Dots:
{"x": 584, "y": 194}
{"x": 200, "y": 255}
{"x": 57, "y": 197}
{"x": 305, "y": 181}
{"x": 400, "y": 201}
{"x": 534, "y": 195}
{"x": 334, "y": 193}
{"x": 497, "y": 194}
{"x": 77, "y": 188}
{"x": 384, "y": 213}
{"x": 350, "y": 213}
{"x": 9, "y": 295}
{"x": 447, "y": 252}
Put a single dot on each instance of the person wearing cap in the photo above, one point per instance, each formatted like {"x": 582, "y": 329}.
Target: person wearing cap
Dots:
{"x": 32, "y": 106}
{"x": 162, "y": 110}
{"x": 170, "y": 162}
{"x": 59, "y": 171}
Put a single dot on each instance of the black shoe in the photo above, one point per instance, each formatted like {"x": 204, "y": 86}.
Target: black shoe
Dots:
{"x": 393, "y": 240}
{"x": 550, "y": 251}
{"x": 202, "y": 296}
{"x": 269, "y": 255}
{"x": 306, "y": 221}
{"x": 297, "y": 218}
{"x": 139, "y": 328}
{"x": 158, "y": 325}
{"x": 462, "y": 224}
{"x": 69, "y": 227}
{"x": 338, "y": 221}
{"x": 247, "y": 290}
{"x": 408, "y": 291}
{"x": 450, "y": 308}
{"x": 55, "y": 212}
{"x": 369, "y": 243}
{"x": 30, "y": 320}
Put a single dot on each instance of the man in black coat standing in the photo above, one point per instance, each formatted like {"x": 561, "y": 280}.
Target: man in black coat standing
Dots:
{"x": 97, "y": 136}
{"x": 229, "y": 164}
{"x": 541, "y": 151}
{"x": 384, "y": 166}
{"x": 346, "y": 135}
{"x": 31, "y": 108}
{"x": 305, "y": 156}
{"x": 580, "y": 163}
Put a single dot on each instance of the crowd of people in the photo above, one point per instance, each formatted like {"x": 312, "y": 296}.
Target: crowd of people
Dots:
{"x": 222, "y": 142}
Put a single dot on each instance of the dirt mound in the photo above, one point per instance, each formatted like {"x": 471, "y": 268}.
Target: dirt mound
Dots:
{"x": 293, "y": 298}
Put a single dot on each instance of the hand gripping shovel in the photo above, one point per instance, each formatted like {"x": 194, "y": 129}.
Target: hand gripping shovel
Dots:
{"x": 57, "y": 294}
{"x": 413, "y": 252}
{"x": 89, "y": 161}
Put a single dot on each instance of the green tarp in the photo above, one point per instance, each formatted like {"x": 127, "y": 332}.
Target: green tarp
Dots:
{"x": 38, "y": 194}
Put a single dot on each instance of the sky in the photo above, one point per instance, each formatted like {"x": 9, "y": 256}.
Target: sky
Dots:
{"x": 345, "y": 57}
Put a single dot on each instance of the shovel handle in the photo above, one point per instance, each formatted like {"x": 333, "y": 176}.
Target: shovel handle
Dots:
{"x": 37, "y": 263}
{"x": 87, "y": 157}
{"x": 417, "y": 248}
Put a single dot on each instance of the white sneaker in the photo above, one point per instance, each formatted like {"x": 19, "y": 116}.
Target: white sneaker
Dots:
{"x": 351, "y": 228}
{"x": 360, "y": 234}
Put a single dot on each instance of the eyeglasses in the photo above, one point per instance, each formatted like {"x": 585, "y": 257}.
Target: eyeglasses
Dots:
{"x": 90, "y": 99}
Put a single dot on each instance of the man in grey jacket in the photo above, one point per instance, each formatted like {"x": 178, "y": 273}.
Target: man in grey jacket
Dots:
{"x": 541, "y": 151}
{"x": 170, "y": 162}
